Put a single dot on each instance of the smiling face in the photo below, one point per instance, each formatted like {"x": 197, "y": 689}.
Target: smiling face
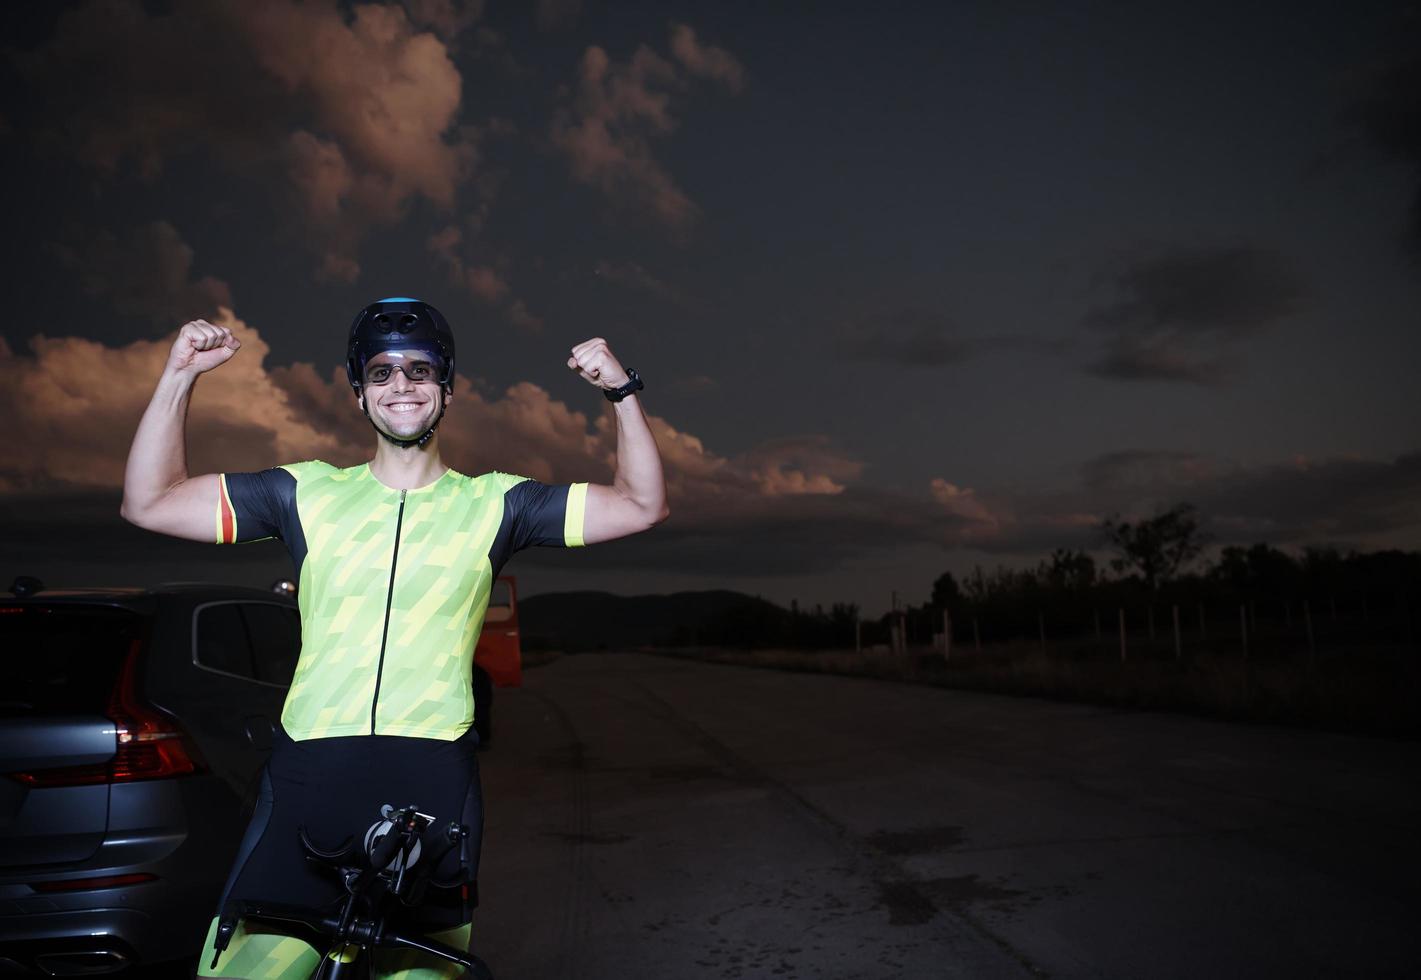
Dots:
{"x": 402, "y": 393}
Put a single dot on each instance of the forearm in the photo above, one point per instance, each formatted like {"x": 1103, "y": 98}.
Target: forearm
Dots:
{"x": 157, "y": 460}
{"x": 639, "y": 476}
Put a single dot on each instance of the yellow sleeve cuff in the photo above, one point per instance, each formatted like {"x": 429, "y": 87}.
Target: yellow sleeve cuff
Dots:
{"x": 575, "y": 515}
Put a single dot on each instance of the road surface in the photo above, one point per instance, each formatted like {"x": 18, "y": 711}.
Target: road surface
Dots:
{"x": 658, "y": 818}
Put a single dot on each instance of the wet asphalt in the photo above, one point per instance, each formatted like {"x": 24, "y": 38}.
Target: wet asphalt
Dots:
{"x": 650, "y": 817}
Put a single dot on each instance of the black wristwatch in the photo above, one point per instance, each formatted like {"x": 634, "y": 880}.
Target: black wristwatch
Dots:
{"x": 634, "y": 383}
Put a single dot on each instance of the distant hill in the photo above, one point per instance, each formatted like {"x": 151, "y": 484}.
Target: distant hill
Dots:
{"x": 595, "y": 620}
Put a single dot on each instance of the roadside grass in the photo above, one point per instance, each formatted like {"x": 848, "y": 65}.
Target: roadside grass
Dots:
{"x": 1371, "y": 690}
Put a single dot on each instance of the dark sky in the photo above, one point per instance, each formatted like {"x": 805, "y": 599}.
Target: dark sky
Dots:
{"x": 913, "y": 287}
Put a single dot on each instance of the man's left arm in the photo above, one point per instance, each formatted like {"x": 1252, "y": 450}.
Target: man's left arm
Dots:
{"x": 636, "y": 499}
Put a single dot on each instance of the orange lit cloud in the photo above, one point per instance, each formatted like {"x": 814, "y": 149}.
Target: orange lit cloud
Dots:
{"x": 357, "y": 108}
{"x": 705, "y": 60}
{"x": 785, "y": 506}
{"x": 618, "y": 108}
{"x": 80, "y": 401}
{"x": 963, "y": 502}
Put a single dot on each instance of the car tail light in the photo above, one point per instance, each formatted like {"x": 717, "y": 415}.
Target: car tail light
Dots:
{"x": 150, "y": 744}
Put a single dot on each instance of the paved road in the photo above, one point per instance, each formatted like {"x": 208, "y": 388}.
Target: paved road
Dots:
{"x": 654, "y": 818}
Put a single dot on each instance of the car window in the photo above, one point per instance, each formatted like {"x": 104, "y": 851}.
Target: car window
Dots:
{"x": 500, "y": 603}
{"x": 275, "y": 632}
{"x": 257, "y": 641}
{"x": 61, "y": 659}
{"x": 222, "y": 641}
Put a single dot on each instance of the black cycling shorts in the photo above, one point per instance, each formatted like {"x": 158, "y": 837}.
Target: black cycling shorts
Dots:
{"x": 334, "y": 787}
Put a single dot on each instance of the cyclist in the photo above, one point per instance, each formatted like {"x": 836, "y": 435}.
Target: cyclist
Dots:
{"x": 395, "y": 559}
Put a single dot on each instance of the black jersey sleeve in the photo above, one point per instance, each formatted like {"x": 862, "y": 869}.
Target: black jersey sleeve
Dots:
{"x": 537, "y": 514}
{"x": 253, "y": 506}
{"x": 545, "y": 514}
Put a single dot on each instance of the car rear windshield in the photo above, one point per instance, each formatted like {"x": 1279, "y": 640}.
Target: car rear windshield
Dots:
{"x": 61, "y": 659}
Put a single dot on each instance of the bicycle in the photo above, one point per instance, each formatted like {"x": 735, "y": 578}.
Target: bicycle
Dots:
{"x": 394, "y": 862}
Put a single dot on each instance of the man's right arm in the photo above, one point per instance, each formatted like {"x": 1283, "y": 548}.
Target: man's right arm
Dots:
{"x": 158, "y": 494}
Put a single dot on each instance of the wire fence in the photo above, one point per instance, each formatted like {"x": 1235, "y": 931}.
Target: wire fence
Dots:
{"x": 1299, "y": 629}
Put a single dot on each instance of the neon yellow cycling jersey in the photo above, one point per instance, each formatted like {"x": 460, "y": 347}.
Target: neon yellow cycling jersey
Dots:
{"x": 393, "y": 585}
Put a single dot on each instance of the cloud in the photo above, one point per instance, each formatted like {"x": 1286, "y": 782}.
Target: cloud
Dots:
{"x": 796, "y": 467}
{"x": 148, "y": 273}
{"x": 520, "y": 317}
{"x": 1351, "y": 502}
{"x": 618, "y": 108}
{"x": 792, "y": 506}
{"x": 1295, "y": 501}
{"x": 1176, "y": 314}
{"x": 261, "y": 87}
{"x": 706, "y": 61}
{"x": 447, "y": 18}
{"x": 192, "y": 86}
{"x": 911, "y": 338}
{"x": 1136, "y": 471}
{"x": 1387, "y": 112}
{"x": 963, "y": 502}
{"x": 248, "y": 415}
{"x": 79, "y": 422}
{"x": 484, "y": 282}
{"x": 392, "y": 117}
{"x": 634, "y": 276}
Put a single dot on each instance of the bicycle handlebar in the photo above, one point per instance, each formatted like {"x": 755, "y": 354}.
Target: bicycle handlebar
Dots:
{"x": 372, "y": 874}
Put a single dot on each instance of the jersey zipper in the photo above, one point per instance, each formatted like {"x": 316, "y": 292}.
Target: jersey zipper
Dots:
{"x": 389, "y": 602}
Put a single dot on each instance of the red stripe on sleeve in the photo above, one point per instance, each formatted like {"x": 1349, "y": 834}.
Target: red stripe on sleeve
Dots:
{"x": 229, "y": 517}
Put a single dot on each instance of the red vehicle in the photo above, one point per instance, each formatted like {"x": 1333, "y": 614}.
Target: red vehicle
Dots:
{"x": 498, "y": 661}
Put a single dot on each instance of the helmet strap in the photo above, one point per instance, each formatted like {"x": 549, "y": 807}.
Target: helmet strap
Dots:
{"x": 419, "y": 441}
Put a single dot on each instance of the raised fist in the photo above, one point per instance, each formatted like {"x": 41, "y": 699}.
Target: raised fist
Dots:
{"x": 594, "y": 360}
{"x": 202, "y": 346}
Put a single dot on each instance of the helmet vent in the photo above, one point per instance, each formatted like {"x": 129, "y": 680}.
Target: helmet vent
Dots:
{"x": 388, "y": 324}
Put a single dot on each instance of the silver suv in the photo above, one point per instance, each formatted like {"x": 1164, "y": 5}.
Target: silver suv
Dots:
{"x": 133, "y": 727}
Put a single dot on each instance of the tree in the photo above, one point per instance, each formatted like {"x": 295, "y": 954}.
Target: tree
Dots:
{"x": 945, "y": 591}
{"x": 1068, "y": 571}
{"x": 1260, "y": 569}
{"x": 1156, "y": 548}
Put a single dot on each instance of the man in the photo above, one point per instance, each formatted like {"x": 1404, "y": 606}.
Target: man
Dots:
{"x": 395, "y": 559}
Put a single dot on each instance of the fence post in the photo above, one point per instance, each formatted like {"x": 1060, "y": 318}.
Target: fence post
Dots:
{"x": 858, "y": 635}
{"x": 1152, "y": 621}
{"x": 1097, "y": 624}
{"x": 1041, "y": 628}
{"x": 1203, "y": 633}
{"x": 1243, "y": 627}
{"x": 946, "y": 635}
{"x": 976, "y": 635}
{"x": 1122, "y": 634}
{"x": 1178, "y": 646}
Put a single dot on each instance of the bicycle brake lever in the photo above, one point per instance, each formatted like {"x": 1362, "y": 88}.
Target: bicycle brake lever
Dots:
{"x": 226, "y": 926}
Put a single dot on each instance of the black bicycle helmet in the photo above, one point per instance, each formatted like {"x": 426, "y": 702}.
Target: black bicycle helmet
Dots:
{"x": 398, "y": 323}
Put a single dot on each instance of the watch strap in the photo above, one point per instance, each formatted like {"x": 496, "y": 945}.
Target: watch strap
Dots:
{"x": 634, "y": 383}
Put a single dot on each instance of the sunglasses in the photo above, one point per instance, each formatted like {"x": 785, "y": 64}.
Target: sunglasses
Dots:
{"x": 417, "y": 371}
